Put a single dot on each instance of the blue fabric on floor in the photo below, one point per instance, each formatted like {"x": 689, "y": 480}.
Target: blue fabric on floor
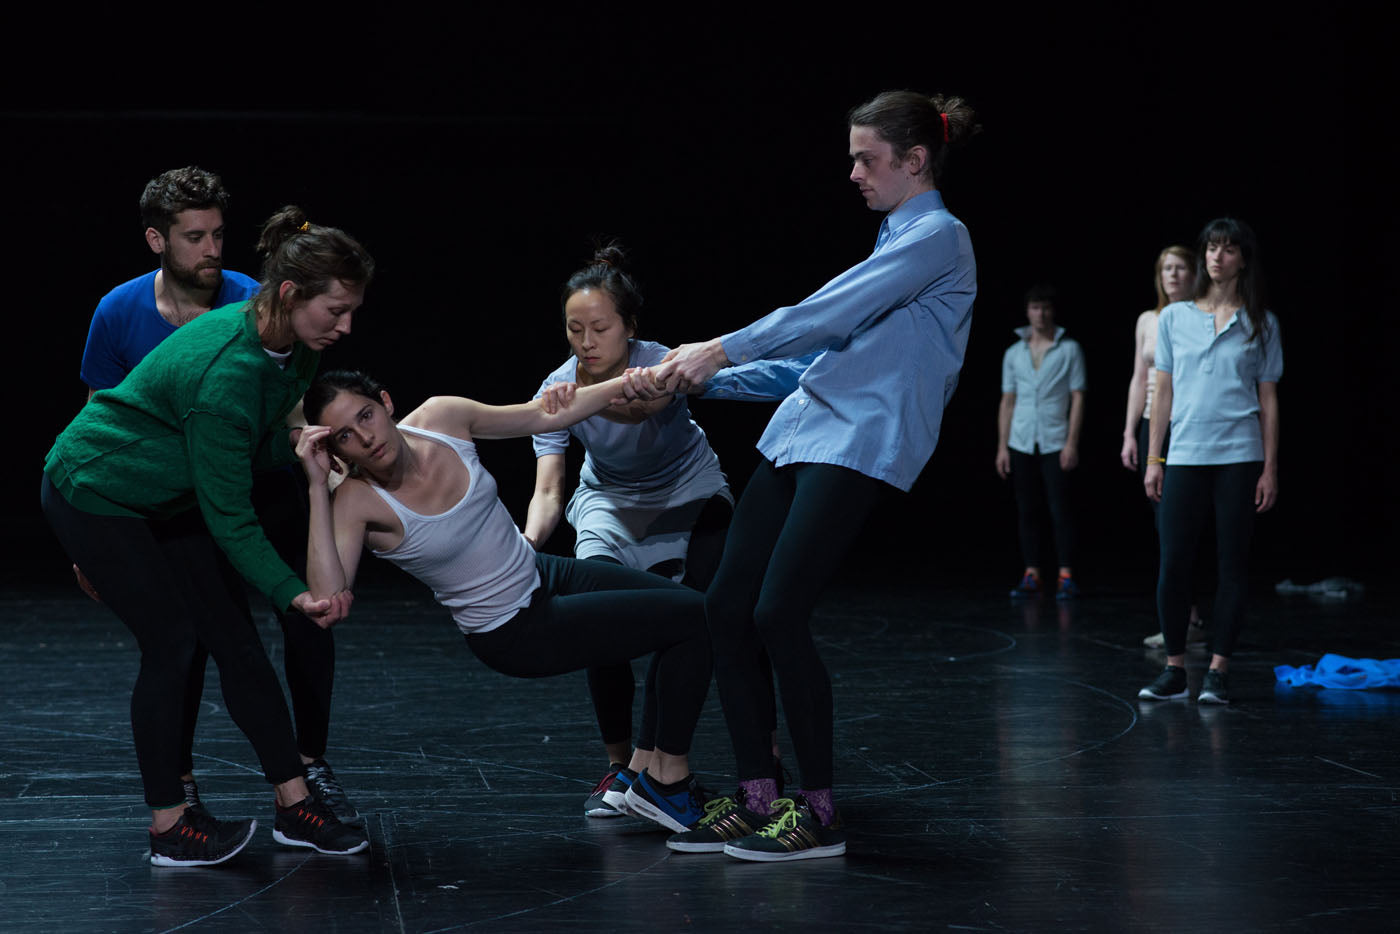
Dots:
{"x": 1338, "y": 671}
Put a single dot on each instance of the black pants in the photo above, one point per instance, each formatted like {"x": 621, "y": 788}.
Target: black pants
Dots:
{"x": 280, "y": 499}
{"x": 612, "y": 687}
{"x": 1039, "y": 482}
{"x": 308, "y": 651}
{"x": 791, "y": 531}
{"x": 1188, "y": 494}
{"x": 590, "y": 613}
{"x": 170, "y": 584}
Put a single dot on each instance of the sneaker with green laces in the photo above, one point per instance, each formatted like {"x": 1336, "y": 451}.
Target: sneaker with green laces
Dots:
{"x": 793, "y": 832}
{"x": 725, "y": 819}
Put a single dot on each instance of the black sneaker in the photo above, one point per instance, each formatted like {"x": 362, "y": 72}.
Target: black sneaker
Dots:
{"x": 1170, "y": 685}
{"x": 793, "y": 832}
{"x": 597, "y": 804}
{"x": 199, "y": 840}
{"x": 323, "y": 784}
{"x": 311, "y": 824}
{"x": 1214, "y": 690}
{"x": 725, "y": 819}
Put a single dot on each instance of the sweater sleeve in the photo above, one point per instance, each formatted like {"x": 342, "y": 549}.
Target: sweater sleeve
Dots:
{"x": 275, "y": 449}
{"x": 220, "y": 453}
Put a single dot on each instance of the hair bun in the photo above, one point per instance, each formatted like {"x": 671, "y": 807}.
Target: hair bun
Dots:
{"x": 280, "y": 227}
{"x": 610, "y": 254}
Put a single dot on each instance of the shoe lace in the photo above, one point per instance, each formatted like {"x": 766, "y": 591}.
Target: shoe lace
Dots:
{"x": 607, "y": 781}
{"x": 717, "y": 808}
{"x": 327, "y": 788}
{"x": 783, "y": 822}
{"x": 315, "y": 812}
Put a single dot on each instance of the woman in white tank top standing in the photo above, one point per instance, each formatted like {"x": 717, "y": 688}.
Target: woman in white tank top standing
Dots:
{"x": 1175, "y": 281}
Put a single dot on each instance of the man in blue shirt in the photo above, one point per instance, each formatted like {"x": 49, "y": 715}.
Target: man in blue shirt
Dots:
{"x": 889, "y": 336}
{"x": 183, "y": 210}
{"x": 1038, "y": 423}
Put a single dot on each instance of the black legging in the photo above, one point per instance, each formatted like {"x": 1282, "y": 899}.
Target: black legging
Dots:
{"x": 280, "y": 499}
{"x": 791, "y": 531}
{"x": 1188, "y": 493}
{"x": 588, "y": 613}
{"x": 1039, "y": 481}
{"x": 613, "y": 687}
{"x": 172, "y": 586}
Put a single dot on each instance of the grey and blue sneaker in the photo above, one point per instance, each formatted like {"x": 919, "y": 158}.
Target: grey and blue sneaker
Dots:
{"x": 679, "y": 809}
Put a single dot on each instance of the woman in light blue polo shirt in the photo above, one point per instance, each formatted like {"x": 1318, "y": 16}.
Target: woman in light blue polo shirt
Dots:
{"x": 1218, "y": 363}
{"x": 1038, "y": 423}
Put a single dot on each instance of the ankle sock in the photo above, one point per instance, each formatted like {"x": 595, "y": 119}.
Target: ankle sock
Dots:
{"x": 759, "y": 794}
{"x": 673, "y": 787}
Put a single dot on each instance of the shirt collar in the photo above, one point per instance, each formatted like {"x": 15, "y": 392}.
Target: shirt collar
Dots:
{"x": 919, "y": 204}
{"x": 1024, "y": 333}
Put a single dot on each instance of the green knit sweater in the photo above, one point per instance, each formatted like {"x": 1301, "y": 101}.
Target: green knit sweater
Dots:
{"x": 187, "y": 428}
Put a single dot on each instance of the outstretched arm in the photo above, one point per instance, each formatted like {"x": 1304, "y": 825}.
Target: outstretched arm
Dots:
{"x": 467, "y": 418}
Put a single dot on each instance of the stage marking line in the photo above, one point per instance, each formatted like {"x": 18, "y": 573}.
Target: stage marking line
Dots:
{"x": 245, "y": 898}
{"x": 558, "y": 901}
{"x": 1029, "y": 765}
{"x": 1356, "y": 770}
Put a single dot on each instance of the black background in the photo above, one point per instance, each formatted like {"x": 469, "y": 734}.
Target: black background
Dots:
{"x": 475, "y": 157}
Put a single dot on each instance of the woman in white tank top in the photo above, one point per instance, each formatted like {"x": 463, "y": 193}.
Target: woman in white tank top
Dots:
{"x": 1175, "y": 280}
{"x": 419, "y": 496}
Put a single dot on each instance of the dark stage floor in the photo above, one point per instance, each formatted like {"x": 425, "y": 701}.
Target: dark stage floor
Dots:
{"x": 994, "y": 765}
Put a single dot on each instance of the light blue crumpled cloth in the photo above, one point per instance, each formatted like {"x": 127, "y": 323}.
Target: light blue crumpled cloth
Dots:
{"x": 1338, "y": 671}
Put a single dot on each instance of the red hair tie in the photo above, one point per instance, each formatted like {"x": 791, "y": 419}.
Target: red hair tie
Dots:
{"x": 945, "y": 126}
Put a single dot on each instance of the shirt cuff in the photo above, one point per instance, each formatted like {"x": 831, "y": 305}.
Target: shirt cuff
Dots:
{"x": 737, "y": 349}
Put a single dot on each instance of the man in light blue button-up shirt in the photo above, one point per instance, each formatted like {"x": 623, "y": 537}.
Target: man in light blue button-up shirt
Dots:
{"x": 1038, "y": 423}
{"x": 888, "y": 336}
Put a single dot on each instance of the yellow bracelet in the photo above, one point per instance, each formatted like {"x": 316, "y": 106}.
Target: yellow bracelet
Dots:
{"x": 1156, "y": 460}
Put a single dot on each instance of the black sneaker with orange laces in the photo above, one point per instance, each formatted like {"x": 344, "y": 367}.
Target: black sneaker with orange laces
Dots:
{"x": 197, "y": 839}
{"x": 311, "y": 823}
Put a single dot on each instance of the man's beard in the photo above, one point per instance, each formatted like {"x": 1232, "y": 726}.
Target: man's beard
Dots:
{"x": 197, "y": 278}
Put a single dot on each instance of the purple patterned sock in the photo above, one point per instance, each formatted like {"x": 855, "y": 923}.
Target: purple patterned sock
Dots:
{"x": 759, "y": 794}
{"x": 822, "y": 805}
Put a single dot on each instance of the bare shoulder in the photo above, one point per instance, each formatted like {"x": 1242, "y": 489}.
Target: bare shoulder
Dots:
{"x": 447, "y": 415}
{"x": 356, "y": 501}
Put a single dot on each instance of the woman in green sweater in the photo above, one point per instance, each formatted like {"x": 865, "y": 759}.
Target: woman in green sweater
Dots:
{"x": 148, "y": 490}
